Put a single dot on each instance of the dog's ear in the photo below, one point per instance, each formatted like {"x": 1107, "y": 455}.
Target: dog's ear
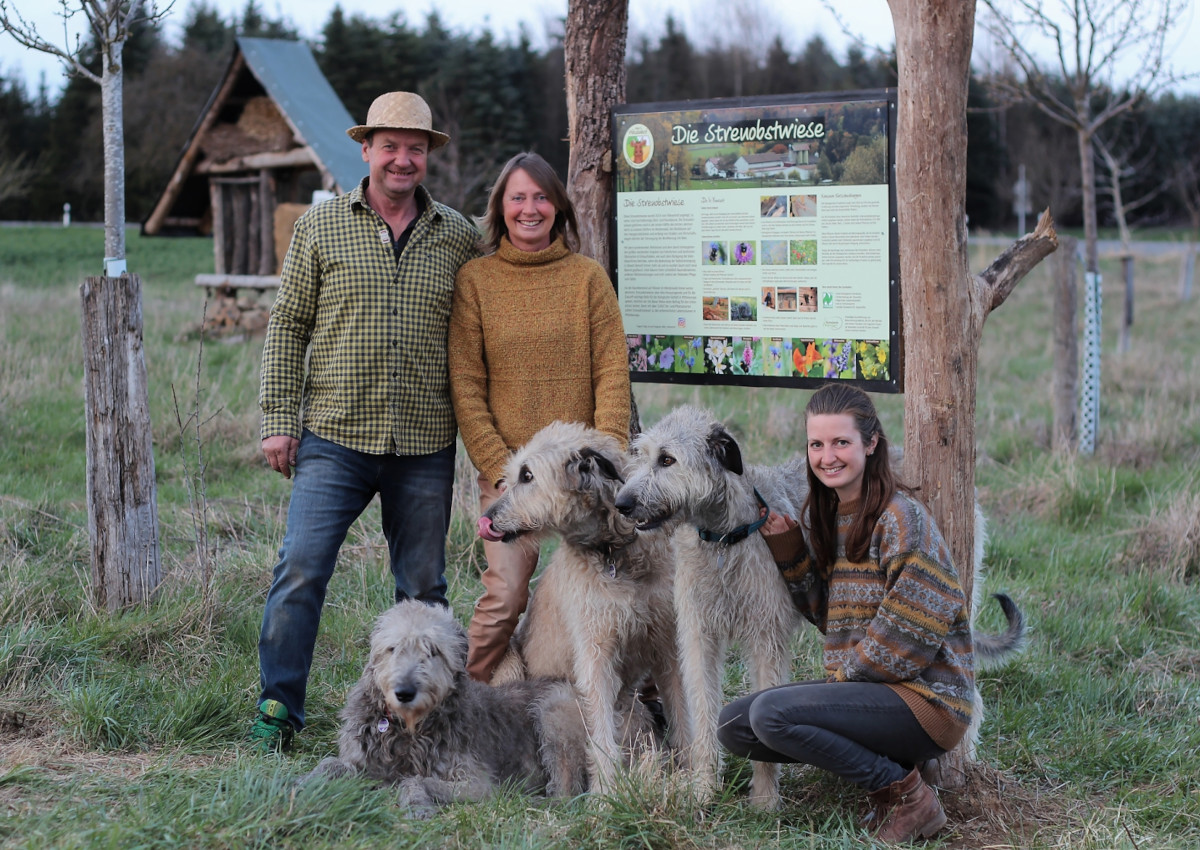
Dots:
{"x": 725, "y": 449}
{"x": 591, "y": 459}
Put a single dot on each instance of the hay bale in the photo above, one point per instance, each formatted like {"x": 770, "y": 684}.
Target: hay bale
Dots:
{"x": 259, "y": 129}
{"x": 261, "y": 120}
{"x": 285, "y": 221}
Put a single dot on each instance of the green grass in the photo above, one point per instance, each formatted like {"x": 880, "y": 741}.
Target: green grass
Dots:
{"x": 121, "y": 731}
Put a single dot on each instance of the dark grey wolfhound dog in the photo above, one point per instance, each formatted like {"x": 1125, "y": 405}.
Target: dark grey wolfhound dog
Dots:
{"x": 416, "y": 720}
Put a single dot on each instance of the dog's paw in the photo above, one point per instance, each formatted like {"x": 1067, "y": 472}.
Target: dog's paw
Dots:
{"x": 413, "y": 797}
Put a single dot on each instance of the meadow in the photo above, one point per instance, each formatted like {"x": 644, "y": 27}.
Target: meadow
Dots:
{"x": 123, "y": 731}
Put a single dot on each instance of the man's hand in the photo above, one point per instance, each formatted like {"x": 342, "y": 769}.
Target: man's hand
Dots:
{"x": 280, "y": 451}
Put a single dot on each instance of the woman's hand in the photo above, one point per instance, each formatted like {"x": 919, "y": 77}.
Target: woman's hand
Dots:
{"x": 776, "y": 524}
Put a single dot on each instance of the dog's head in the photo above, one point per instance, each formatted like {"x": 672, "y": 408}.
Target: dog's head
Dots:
{"x": 678, "y": 465}
{"x": 564, "y": 476}
{"x": 418, "y": 653}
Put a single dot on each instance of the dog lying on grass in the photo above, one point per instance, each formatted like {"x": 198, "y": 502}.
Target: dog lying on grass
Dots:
{"x": 416, "y": 720}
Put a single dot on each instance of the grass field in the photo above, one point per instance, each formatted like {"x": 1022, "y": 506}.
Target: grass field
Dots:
{"x": 122, "y": 731}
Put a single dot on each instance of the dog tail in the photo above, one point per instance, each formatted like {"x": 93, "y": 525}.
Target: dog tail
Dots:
{"x": 992, "y": 650}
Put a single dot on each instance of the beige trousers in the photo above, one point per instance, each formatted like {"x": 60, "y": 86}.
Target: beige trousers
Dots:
{"x": 510, "y": 566}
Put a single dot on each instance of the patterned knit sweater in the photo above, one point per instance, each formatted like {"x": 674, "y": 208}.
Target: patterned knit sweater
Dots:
{"x": 898, "y": 619}
{"x": 535, "y": 336}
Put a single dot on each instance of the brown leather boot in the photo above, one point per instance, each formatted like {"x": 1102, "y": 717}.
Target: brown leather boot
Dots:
{"x": 906, "y": 810}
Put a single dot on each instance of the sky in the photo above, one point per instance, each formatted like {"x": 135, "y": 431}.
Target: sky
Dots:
{"x": 798, "y": 20}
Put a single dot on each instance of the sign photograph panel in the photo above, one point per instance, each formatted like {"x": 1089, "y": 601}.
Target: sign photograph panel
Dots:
{"x": 755, "y": 240}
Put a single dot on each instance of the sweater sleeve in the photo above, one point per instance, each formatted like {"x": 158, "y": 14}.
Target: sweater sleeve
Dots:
{"x": 610, "y": 364}
{"x": 923, "y": 598}
{"x": 469, "y": 379}
{"x": 807, "y": 589}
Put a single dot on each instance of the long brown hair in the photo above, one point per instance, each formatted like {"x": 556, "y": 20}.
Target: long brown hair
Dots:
{"x": 543, "y": 175}
{"x": 878, "y": 484}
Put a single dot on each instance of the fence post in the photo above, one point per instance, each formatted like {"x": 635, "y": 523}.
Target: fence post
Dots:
{"x": 1089, "y": 405}
{"x": 1065, "y": 429}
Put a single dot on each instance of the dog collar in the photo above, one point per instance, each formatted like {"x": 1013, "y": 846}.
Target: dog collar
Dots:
{"x": 740, "y": 533}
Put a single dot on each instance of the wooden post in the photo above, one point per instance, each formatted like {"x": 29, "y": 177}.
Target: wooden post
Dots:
{"x": 1065, "y": 430}
{"x": 1124, "y": 339}
{"x": 1187, "y": 272}
{"x": 121, "y": 490}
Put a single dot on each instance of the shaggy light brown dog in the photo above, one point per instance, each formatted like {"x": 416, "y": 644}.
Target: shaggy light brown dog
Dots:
{"x": 602, "y": 613}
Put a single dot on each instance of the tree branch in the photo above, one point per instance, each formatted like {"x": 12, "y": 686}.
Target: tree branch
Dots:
{"x": 998, "y": 281}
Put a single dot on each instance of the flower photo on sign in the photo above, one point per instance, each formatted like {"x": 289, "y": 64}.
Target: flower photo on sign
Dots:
{"x": 719, "y": 353}
{"x": 838, "y": 358}
{"x": 873, "y": 360}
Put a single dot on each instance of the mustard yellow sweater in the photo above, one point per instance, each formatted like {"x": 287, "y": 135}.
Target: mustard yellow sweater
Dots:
{"x": 535, "y": 336}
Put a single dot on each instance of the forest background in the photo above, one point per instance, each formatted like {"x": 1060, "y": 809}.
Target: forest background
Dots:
{"x": 498, "y": 96}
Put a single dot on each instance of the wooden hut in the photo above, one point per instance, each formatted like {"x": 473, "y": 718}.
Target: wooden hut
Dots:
{"x": 272, "y": 134}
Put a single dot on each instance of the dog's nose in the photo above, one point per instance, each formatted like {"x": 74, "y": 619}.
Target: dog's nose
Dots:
{"x": 406, "y": 694}
{"x": 625, "y": 505}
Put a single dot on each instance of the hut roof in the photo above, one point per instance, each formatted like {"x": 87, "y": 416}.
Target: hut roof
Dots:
{"x": 273, "y": 108}
{"x": 289, "y": 73}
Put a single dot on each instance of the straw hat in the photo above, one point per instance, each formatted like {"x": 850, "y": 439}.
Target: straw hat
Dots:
{"x": 399, "y": 110}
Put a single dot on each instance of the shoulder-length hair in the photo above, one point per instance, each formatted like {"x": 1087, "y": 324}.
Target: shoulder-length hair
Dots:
{"x": 878, "y": 484}
{"x": 542, "y": 174}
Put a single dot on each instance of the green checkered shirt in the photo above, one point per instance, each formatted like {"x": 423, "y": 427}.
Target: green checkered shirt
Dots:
{"x": 373, "y": 329}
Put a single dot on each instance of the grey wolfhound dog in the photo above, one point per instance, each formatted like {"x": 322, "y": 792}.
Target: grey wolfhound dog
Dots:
{"x": 416, "y": 720}
{"x": 689, "y": 474}
{"x": 602, "y": 613}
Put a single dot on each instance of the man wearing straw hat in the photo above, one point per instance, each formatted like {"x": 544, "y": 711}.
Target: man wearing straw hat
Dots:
{"x": 364, "y": 304}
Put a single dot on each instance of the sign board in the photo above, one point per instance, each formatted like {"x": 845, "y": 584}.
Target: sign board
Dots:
{"x": 755, "y": 240}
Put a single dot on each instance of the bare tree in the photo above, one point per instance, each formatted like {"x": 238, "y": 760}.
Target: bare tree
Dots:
{"x": 121, "y": 490}
{"x": 1118, "y": 169}
{"x": 109, "y": 23}
{"x": 944, "y": 306}
{"x": 1088, "y": 42}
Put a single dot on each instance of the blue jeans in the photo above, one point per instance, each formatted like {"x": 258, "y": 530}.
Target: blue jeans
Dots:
{"x": 861, "y": 731}
{"x": 332, "y": 486}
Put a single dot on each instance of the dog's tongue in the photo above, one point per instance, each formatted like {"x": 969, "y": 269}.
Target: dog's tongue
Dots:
{"x": 486, "y": 531}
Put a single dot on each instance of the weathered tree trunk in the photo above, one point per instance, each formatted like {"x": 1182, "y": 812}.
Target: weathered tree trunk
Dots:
{"x": 942, "y": 305}
{"x": 941, "y": 334}
{"x": 594, "y": 55}
{"x": 1065, "y": 428}
{"x": 122, "y": 504}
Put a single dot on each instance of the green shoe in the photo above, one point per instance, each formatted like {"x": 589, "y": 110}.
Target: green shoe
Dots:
{"x": 270, "y": 732}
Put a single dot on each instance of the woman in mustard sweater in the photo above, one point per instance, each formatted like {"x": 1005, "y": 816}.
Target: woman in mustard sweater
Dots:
{"x": 868, "y": 567}
{"x": 535, "y": 336}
